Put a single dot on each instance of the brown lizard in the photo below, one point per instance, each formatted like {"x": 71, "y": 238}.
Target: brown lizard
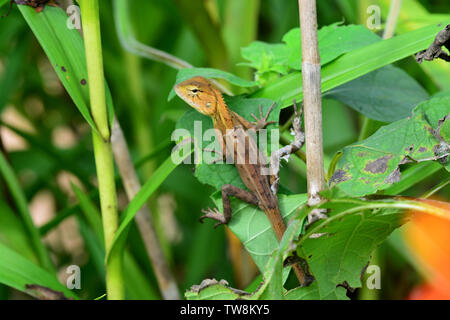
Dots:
{"x": 201, "y": 94}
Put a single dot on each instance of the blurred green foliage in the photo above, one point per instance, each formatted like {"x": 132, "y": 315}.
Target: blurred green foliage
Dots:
{"x": 30, "y": 88}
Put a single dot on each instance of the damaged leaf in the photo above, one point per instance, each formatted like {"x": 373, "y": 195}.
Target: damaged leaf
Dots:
{"x": 348, "y": 237}
{"x": 373, "y": 164}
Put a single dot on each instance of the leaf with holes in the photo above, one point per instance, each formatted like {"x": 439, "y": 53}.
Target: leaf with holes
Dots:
{"x": 373, "y": 164}
{"x": 338, "y": 249}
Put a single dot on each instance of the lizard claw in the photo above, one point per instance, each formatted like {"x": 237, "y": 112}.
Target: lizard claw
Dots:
{"x": 214, "y": 214}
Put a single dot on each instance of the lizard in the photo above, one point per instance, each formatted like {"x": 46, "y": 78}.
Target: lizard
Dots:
{"x": 204, "y": 97}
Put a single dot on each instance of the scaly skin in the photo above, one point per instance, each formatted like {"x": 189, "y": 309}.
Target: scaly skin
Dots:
{"x": 200, "y": 94}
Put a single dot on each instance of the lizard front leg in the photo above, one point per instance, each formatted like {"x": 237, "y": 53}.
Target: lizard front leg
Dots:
{"x": 260, "y": 123}
{"x": 227, "y": 191}
{"x": 297, "y": 144}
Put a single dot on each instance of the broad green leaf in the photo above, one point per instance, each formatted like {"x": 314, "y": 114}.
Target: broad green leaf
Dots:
{"x": 373, "y": 164}
{"x": 338, "y": 248}
{"x": 187, "y": 73}
{"x": 273, "y": 276}
{"x": 211, "y": 289}
{"x": 64, "y": 48}
{"x": 266, "y": 57}
{"x": 271, "y": 288}
{"x": 311, "y": 292}
{"x": 17, "y": 272}
{"x": 372, "y": 94}
{"x": 353, "y": 64}
{"x": 334, "y": 41}
{"x": 253, "y": 228}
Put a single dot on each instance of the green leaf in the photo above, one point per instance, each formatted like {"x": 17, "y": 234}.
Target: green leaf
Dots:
{"x": 273, "y": 276}
{"x": 22, "y": 207}
{"x": 64, "y": 48}
{"x": 311, "y": 292}
{"x": 16, "y": 272}
{"x": 372, "y": 94}
{"x": 373, "y": 164}
{"x": 266, "y": 57}
{"x": 338, "y": 248}
{"x": 253, "y": 228}
{"x": 211, "y": 289}
{"x": 271, "y": 287}
{"x": 352, "y": 65}
{"x": 209, "y": 73}
{"x": 10, "y": 76}
{"x": 334, "y": 41}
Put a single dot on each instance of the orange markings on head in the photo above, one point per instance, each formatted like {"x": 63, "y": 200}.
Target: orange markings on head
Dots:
{"x": 200, "y": 94}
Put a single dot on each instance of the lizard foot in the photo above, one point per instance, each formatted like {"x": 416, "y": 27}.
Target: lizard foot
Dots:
{"x": 262, "y": 122}
{"x": 214, "y": 214}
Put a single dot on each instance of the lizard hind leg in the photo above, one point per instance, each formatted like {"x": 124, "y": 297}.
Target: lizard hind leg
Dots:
{"x": 227, "y": 191}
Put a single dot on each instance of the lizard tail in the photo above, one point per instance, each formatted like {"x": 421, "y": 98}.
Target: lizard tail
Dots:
{"x": 277, "y": 222}
{"x": 279, "y": 228}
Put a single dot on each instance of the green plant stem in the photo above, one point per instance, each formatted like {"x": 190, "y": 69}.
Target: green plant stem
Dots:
{"x": 102, "y": 144}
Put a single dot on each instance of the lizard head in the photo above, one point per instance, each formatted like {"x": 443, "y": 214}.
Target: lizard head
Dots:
{"x": 200, "y": 94}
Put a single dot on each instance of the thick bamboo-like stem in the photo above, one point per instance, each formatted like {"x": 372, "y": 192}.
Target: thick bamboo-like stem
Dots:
{"x": 312, "y": 100}
{"x": 131, "y": 183}
{"x": 102, "y": 144}
{"x": 391, "y": 23}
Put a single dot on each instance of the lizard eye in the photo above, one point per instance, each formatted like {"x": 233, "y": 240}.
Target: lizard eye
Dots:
{"x": 194, "y": 90}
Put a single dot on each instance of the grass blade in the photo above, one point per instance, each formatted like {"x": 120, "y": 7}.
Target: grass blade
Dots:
{"x": 353, "y": 64}
{"x": 16, "y": 272}
{"x": 21, "y": 203}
